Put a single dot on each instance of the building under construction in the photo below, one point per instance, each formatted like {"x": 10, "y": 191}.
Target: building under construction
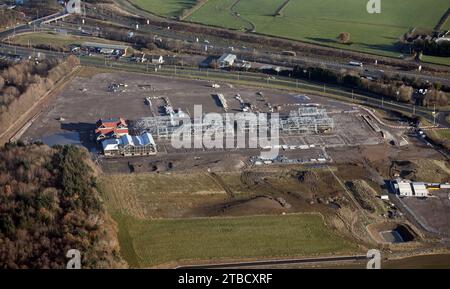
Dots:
{"x": 305, "y": 120}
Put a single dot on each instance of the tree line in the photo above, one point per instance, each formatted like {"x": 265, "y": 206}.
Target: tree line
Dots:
{"x": 390, "y": 86}
{"x": 24, "y": 83}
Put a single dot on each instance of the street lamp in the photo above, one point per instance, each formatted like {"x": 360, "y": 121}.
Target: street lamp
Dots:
{"x": 434, "y": 114}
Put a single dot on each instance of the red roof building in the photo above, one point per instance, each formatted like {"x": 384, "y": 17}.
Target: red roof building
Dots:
{"x": 111, "y": 128}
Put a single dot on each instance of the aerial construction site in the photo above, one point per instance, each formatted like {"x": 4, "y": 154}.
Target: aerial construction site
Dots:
{"x": 334, "y": 158}
{"x": 149, "y": 138}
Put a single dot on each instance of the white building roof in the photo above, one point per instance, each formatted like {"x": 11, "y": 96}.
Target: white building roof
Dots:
{"x": 125, "y": 140}
{"x": 420, "y": 189}
{"x": 142, "y": 140}
{"x": 110, "y": 144}
{"x": 412, "y": 189}
{"x": 107, "y": 50}
{"x": 227, "y": 58}
{"x": 404, "y": 188}
{"x": 104, "y": 45}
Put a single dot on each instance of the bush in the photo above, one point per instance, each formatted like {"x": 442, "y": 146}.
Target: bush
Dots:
{"x": 430, "y": 47}
{"x": 344, "y": 37}
{"x": 405, "y": 93}
{"x": 352, "y": 81}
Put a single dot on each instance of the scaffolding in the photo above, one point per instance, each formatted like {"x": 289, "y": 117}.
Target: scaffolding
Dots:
{"x": 159, "y": 126}
{"x": 305, "y": 120}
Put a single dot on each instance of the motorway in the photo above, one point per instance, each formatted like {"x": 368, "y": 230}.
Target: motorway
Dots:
{"x": 217, "y": 45}
{"x": 220, "y": 46}
{"x": 30, "y": 26}
{"x": 276, "y": 262}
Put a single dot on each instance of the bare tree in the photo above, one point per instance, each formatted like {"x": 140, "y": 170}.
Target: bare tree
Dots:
{"x": 405, "y": 93}
{"x": 437, "y": 97}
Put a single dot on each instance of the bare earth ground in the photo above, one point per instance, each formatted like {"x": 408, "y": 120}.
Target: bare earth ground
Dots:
{"x": 434, "y": 212}
{"x": 193, "y": 183}
{"x": 88, "y": 99}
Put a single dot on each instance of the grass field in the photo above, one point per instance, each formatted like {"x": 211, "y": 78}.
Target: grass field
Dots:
{"x": 56, "y": 40}
{"x": 436, "y": 60}
{"x": 444, "y": 133}
{"x": 318, "y": 21}
{"x": 146, "y": 243}
{"x": 321, "y": 21}
{"x": 163, "y": 218}
{"x": 167, "y": 8}
{"x": 440, "y": 136}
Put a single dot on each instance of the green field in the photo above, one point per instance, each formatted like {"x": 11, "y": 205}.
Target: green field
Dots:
{"x": 167, "y": 8}
{"x": 436, "y": 60}
{"x": 321, "y": 21}
{"x": 318, "y": 21}
{"x": 146, "y": 243}
{"x": 444, "y": 133}
{"x": 57, "y": 40}
{"x": 162, "y": 219}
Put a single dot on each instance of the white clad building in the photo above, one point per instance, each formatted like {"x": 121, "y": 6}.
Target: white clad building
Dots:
{"x": 444, "y": 186}
{"x": 404, "y": 189}
{"x": 227, "y": 60}
{"x": 409, "y": 189}
{"x": 110, "y": 146}
{"x": 420, "y": 190}
{"x": 128, "y": 145}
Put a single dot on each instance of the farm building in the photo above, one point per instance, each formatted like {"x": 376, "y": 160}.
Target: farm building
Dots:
{"x": 110, "y": 49}
{"x": 111, "y": 128}
{"x": 128, "y": 145}
{"x": 227, "y": 60}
